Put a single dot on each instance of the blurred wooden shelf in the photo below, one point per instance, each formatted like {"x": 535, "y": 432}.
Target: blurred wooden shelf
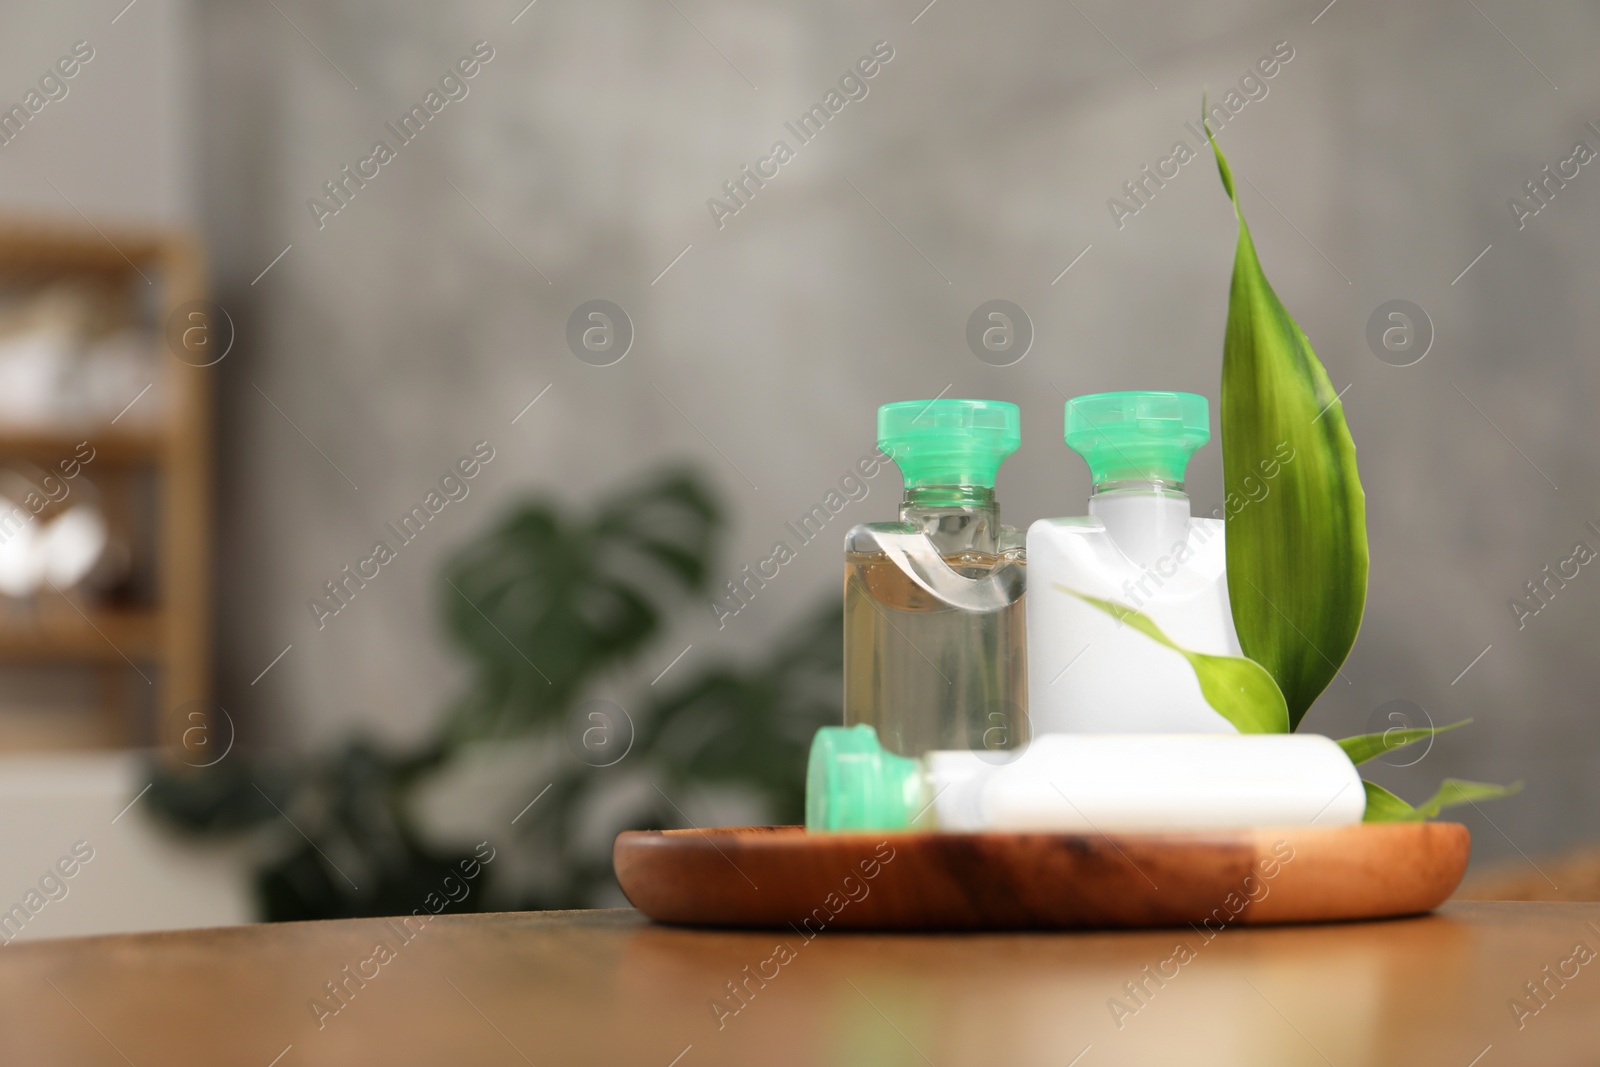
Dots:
{"x": 111, "y": 444}
{"x": 99, "y": 635}
{"x": 30, "y": 245}
{"x": 159, "y": 475}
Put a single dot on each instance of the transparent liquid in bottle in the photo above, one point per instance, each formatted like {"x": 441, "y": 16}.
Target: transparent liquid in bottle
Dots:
{"x": 926, "y": 674}
{"x": 935, "y": 651}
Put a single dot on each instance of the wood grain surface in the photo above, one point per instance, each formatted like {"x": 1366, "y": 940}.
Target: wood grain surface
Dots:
{"x": 612, "y": 988}
{"x": 783, "y": 877}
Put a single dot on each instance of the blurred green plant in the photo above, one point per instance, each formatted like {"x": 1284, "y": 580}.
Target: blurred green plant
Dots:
{"x": 543, "y": 606}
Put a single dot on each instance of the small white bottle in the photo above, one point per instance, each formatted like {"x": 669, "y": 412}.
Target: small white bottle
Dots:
{"x": 1084, "y": 784}
{"x": 1140, "y": 548}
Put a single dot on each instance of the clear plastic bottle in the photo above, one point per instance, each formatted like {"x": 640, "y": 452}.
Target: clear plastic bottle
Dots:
{"x": 1140, "y": 548}
{"x": 935, "y": 649}
{"x": 1078, "y": 783}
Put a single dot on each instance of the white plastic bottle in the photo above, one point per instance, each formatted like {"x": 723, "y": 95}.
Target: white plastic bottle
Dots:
{"x": 1140, "y": 548}
{"x": 1084, "y": 784}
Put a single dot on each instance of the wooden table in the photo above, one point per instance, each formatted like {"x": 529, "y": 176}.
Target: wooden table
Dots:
{"x": 607, "y": 987}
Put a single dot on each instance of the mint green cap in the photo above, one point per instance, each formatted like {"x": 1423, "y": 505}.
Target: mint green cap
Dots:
{"x": 949, "y": 442}
{"x": 854, "y": 783}
{"x": 1137, "y": 437}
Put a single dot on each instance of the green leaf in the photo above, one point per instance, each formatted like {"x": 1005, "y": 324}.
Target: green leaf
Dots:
{"x": 545, "y": 602}
{"x": 1454, "y": 791}
{"x": 1238, "y": 688}
{"x": 1384, "y": 806}
{"x": 1363, "y": 747}
{"x": 1297, "y": 538}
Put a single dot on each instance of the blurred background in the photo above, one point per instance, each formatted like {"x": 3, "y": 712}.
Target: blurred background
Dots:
{"x": 578, "y": 342}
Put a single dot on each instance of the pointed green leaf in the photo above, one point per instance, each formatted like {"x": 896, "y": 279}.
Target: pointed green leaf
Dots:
{"x": 1454, "y": 791}
{"x": 1297, "y": 535}
{"x": 1363, "y": 747}
{"x": 1384, "y": 806}
{"x": 1239, "y": 689}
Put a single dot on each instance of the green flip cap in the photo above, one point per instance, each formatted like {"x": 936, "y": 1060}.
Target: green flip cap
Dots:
{"x": 854, "y": 783}
{"x": 949, "y": 442}
{"x": 1137, "y": 437}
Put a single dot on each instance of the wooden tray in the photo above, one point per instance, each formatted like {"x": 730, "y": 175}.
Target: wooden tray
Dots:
{"x": 756, "y": 876}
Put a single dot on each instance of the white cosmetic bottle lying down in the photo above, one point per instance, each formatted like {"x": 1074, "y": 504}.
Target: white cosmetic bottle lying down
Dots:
{"x": 1084, "y": 783}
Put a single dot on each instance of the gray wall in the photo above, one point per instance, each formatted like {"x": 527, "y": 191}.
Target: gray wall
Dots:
{"x": 119, "y": 145}
{"x": 423, "y": 317}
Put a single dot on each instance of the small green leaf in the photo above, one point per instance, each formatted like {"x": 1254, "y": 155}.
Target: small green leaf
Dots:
{"x": 1384, "y": 806}
{"x": 1454, "y": 791}
{"x": 1238, "y": 688}
{"x": 1296, "y": 514}
{"x": 1363, "y": 747}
